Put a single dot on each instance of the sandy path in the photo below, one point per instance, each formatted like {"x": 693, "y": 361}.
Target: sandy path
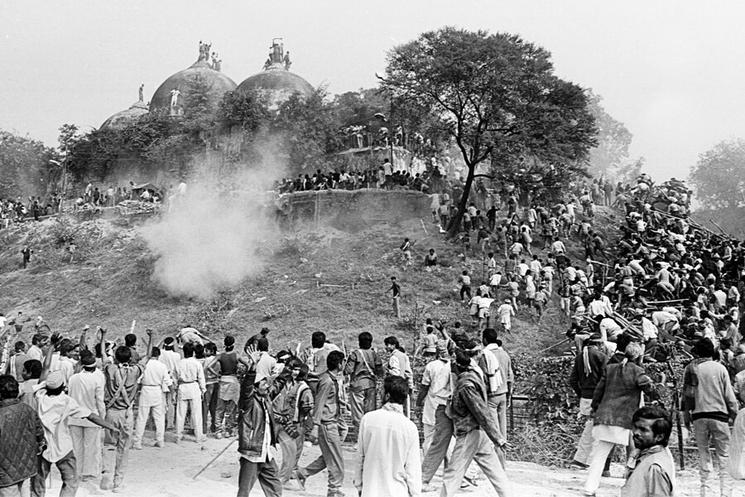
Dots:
{"x": 168, "y": 472}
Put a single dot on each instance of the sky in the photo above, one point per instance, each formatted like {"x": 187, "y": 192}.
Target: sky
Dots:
{"x": 671, "y": 71}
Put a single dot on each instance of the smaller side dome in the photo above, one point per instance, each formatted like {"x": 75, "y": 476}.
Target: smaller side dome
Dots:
{"x": 127, "y": 116}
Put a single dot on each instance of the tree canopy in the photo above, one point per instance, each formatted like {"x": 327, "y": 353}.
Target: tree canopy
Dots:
{"x": 719, "y": 175}
{"x": 25, "y": 165}
{"x": 611, "y": 154}
{"x": 496, "y": 96}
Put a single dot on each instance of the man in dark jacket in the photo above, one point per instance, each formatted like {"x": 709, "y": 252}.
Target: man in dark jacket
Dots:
{"x": 257, "y": 430}
{"x": 21, "y": 438}
{"x": 587, "y": 371}
{"x": 329, "y": 426}
{"x": 476, "y": 431}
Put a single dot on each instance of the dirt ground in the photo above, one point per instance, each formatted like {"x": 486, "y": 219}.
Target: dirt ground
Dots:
{"x": 168, "y": 472}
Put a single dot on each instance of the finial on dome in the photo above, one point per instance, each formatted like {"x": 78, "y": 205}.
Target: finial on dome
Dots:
{"x": 278, "y": 58}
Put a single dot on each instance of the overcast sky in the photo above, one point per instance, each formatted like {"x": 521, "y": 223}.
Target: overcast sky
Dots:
{"x": 672, "y": 71}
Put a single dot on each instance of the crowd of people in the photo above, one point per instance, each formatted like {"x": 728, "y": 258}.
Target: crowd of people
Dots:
{"x": 381, "y": 177}
{"x": 18, "y": 210}
{"x": 663, "y": 287}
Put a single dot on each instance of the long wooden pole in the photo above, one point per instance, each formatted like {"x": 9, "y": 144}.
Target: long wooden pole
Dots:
{"x": 213, "y": 459}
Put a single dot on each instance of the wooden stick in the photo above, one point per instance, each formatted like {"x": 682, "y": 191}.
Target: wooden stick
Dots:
{"x": 214, "y": 459}
{"x": 601, "y": 263}
{"x": 718, "y": 227}
{"x": 555, "y": 345}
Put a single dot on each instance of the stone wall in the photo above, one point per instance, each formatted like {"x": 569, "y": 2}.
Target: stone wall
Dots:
{"x": 353, "y": 210}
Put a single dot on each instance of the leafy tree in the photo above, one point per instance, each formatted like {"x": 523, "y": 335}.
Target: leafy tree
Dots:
{"x": 308, "y": 129}
{"x": 358, "y": 108}
{"x": 719, "y": 175}
{"x": 24, "y": 165}
{"x": 495, "y": 95}
{"x": 246, "y": 110}
{"x": 614, "y": 139}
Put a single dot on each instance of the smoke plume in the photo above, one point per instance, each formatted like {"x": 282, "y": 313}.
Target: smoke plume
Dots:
{"x": 211, "y": 240}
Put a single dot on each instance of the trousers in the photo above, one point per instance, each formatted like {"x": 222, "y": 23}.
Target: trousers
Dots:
{"x": 209, "y": 407}
{"x": 474, "y": 446}
{"x": 195, "y": 405}
{"x": 226, "y": 415}
{"x": 361, "y": 402}
{"x": 116, "y": 455}
{"x": 265, "y": 472}
{"x": 159, "y": 418}
{"x": 438, "y": 447}
{"x": 330, "y": 437}
{"x": 66, "y": 467}
{"x": 498, "y": 405}
{"x": 292, "y": 449}
{"x": 584, "y": 446}
{"x": 88, "y": 448}
{"x": 710, "y": 431}
{"x": 429, "y": 432}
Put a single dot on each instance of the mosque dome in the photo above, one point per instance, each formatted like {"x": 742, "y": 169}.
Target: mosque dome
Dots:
{"x": 171, "y": 93}
{"x": 126, "y": 117}
{"x": 276, "y": 80}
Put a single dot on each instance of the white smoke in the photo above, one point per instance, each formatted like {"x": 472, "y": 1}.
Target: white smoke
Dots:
{"x": 210, "y": 240}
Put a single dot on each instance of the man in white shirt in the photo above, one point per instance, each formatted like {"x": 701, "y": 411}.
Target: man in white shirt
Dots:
{"x": 267, "y": 365}
{"x": 61, "y": 361}
{"x": 535, "y": 265}
{"x": 55, "y": 409}
{"x": 86, "y": 388}
{"x": 170, "y": 358}
{"x": 389, "y": 462}
{"x": 191, "y": 387}
{"x": 494, "y": 281}
{"x": 156, "y": 381}
{"x": 399, "y": 365}
{"x": 436, "y": 389}
{"x": 34, "y": 352}
{"x": 599, "y": 309}
{"x": 505, "y": 313}
{"x": 557, "y": 247}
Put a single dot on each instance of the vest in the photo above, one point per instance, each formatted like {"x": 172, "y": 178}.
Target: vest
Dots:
{"x": 298, "y": 396}
{"x": 636, "y": 485}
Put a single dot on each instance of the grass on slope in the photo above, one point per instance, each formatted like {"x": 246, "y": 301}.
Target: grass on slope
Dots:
{"x": 109, "y": 284}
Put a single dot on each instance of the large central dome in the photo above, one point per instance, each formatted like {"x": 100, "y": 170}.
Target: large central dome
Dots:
{"x": 276, "y": 81}
{"x": 202, "y": 72}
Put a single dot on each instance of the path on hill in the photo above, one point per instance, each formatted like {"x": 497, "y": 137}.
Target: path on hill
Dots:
{"x": 168, "y": 472}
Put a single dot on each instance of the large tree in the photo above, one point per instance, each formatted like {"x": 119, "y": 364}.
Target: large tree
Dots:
{"x": 496, "y": 95}
{"x": 24, "y": 166}
{"x": 719, "y": 175}
{"x": 612, "y": 151}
